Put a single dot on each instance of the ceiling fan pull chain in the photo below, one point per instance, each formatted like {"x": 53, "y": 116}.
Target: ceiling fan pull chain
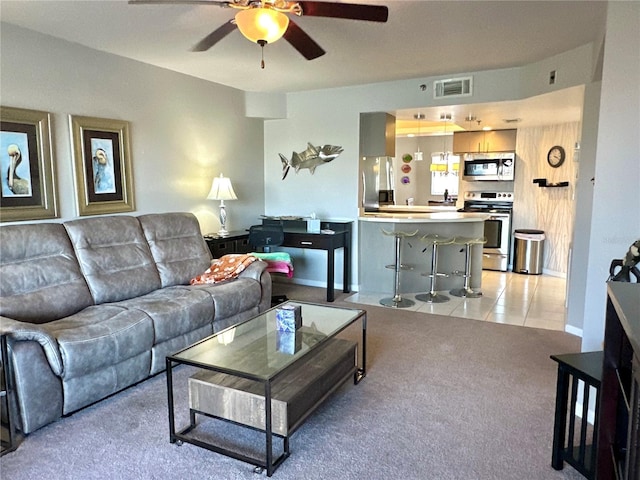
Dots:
{"x": 262, "y": 43}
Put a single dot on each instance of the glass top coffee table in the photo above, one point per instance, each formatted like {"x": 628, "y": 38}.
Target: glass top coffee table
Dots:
{"x": 255, "y": 376}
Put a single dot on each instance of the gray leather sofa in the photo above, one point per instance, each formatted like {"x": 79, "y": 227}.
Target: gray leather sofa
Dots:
{"x": 92, "y": 306}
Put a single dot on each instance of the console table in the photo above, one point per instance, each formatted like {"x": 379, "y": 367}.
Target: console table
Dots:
{"x": 297, "y": 236}
{"x": 619, "y": 416}
{"x": 8, "y": 442}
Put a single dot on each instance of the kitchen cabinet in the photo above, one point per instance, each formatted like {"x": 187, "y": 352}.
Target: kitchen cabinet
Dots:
{"x": 377, "y": 135}
{"x": 483, "y": 142}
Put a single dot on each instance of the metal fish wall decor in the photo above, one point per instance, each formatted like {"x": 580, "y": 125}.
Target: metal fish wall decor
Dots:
{"x": 311, "y": 158}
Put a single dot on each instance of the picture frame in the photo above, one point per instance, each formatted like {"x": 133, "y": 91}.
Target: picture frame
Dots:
{"x": 102, "y": 165}
{"x": 27, "y": 182}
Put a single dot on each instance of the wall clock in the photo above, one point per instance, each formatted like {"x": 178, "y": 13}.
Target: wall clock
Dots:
{"x": 556, "y": 156}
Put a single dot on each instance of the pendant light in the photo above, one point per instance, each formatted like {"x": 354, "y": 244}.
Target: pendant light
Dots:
{"x": 419, "y": 154}
{"x": 445, "y": 153}
{"x": 440, "y": 160}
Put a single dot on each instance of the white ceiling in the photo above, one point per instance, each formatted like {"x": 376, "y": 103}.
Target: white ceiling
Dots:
{"x": 421, "y": 39}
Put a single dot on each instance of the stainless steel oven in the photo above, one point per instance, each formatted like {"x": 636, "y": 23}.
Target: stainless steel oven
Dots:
{"x": 497, "y": 228}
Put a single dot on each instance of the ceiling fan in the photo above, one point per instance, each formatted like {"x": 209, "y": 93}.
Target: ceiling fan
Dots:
{"x": 266, "y": 21}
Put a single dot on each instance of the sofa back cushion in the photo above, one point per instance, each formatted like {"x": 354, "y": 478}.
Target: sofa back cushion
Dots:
{"x": 177, "y": 246}
{"x": 40, "y": 279}
{"x": 114, "y": 257}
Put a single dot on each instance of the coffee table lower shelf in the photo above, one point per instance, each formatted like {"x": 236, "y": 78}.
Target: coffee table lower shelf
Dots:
{"x": 294, "y": 395}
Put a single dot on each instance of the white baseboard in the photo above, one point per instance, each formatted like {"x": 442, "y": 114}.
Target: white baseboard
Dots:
{"x": 553, "y": 273}
{"x": 573, "y": 330}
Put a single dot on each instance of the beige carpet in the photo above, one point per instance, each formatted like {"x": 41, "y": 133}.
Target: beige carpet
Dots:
{"x": 444, "y": 398}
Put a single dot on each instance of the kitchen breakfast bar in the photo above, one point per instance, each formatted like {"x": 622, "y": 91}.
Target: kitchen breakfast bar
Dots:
{"x": 377, "y": 250}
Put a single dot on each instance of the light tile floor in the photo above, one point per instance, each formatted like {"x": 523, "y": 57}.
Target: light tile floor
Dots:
{"x": 536, "y": 301}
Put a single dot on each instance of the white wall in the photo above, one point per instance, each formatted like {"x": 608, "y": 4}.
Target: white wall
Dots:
{"x": 548, "y": 209}
{"x": 184, "y": 131}
{"x": 615, "y": 221}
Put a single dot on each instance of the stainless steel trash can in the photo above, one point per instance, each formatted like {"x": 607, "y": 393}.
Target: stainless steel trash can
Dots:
{"x": 528, "y": 251}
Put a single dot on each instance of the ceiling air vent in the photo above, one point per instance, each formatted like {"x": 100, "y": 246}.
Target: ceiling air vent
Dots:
{"x": 453, "y": 87}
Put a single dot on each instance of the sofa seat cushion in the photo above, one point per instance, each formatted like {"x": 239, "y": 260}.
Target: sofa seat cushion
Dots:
{"x": 101, "y": 336}
{"x": 177, "y": 246}
{"x": 114, "y": 257}
{"x": 40, "y": 278}
{"x": 174, "y": 311}
{"x": 233, "y": 297}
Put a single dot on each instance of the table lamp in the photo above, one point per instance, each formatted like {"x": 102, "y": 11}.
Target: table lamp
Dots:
{"x": 222, "y": 190}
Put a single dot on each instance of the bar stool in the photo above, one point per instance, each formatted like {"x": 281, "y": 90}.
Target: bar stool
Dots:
{"x": 466, "y": 290}
{"x": 433, "y": 297}
{"x": 397, "y": 301}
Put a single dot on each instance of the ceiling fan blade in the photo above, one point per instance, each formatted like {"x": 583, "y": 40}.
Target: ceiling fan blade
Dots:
{"x": 302, "y": 42}
{"x": 178, "y": 2}
{"x": 214, "y": 37}
{"x": 351, "y": 11}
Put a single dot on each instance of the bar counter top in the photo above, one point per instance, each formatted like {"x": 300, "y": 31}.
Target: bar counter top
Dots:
{"x": 434, "y": 217}
{"x": 417, "y": 208}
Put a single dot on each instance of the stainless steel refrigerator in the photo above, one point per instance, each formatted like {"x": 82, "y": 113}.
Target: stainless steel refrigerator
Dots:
{"x": 377, "y": 182}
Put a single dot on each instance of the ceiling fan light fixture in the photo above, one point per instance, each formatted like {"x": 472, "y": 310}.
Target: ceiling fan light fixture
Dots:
{"x": 262, "y": 24}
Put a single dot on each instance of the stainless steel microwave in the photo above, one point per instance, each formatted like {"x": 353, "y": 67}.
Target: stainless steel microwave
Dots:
{"x": 498, "y": 167}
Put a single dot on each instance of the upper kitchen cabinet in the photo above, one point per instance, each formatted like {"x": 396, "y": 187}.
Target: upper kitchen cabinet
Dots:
{"x": 482, "y": 142}
{"x": 377, "y": 135}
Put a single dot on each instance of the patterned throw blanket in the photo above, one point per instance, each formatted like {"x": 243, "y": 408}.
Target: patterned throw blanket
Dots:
{"x": 225, "y": 268}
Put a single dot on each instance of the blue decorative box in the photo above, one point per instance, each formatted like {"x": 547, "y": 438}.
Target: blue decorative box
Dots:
{"x": 288, "y": 318}
{"x": 288, "y": 342}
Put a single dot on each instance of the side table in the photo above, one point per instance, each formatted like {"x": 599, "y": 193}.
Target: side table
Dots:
{"x": 235, "y": 242}
{"x": 572, "y": 369}
{"x": 9, "y": 438}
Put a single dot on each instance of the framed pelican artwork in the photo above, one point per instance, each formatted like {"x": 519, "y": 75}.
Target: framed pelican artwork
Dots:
{"x": 27, "y": 182}
{"x": 102, "y": 164}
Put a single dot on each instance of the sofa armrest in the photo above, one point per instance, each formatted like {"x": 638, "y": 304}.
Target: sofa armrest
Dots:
{"x": 258, "y": 271}
{"x": 254, "y": 270}
{"x": 23, "y": 331}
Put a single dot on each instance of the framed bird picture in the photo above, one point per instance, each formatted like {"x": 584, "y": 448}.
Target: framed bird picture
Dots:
{"x": 27, "y": 183}
{"x": 102, "y": 161}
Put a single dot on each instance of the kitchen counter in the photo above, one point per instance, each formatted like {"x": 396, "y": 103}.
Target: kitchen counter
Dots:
{"x": 450, "y": 216}
{"x": 417, "y": 208}
{"x": 376, "y": 250}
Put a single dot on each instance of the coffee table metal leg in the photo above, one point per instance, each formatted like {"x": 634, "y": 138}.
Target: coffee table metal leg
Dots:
{"x": 268, "y": 431}
{"x": 361, "y": 371}
{"x": 172, "y": 425}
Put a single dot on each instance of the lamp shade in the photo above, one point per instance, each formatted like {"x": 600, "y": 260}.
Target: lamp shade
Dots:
{"x": 262, "y": 24}
{"x": 221, "y": 189}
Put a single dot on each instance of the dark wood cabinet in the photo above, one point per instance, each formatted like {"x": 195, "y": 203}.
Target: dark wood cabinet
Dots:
{"x": 619, "y": 415}
{"x": 235, "y": 242}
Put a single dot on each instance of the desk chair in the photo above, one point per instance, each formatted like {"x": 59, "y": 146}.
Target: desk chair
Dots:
{"x": 261, "y": 239}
